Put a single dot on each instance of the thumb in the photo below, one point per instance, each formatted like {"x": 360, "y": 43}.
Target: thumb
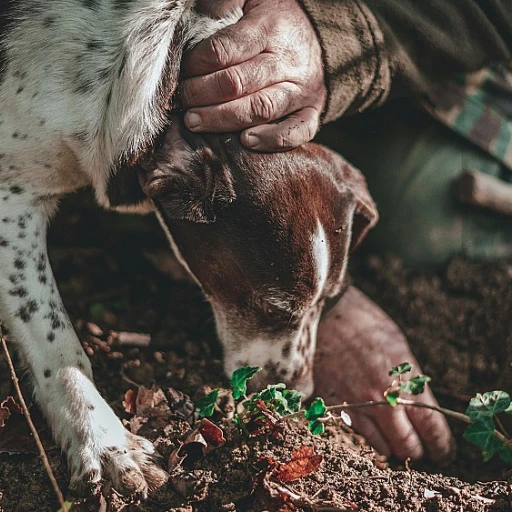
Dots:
{"x": 218, "y": 8}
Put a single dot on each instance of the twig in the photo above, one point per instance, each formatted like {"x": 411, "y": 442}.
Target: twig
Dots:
{"x": 37, "y": 439}
{"x": 502, "y": 427}
{"x": 407, "y": 403}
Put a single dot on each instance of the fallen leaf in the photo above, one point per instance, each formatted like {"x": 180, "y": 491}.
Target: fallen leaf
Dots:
{"x": 151, "y": 402}
{"x": 213, "y": 435}
{"x": 7, "y": 407}
{"x": 175, "y": 459}
{"x": 197, "y": 443}
{"x": 182, "y": 406}
{"x": 129, "y": 401}
{"x": 304, "y": 462}
{"x": 16, "y": 437}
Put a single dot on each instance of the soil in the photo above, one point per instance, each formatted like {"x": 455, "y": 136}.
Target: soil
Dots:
{"x": 113, "y": 272}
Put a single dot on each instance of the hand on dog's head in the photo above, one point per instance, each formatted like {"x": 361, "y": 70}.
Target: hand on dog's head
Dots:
{"x": 267, "y": 237}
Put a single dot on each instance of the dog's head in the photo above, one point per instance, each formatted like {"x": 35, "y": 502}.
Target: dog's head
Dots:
{"x": 267, "y": 237}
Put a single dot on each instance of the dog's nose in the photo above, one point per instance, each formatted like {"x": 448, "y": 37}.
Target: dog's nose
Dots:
{"x": 305, "y": 385}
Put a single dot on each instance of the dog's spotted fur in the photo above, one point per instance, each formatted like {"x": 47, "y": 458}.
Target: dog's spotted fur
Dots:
{"x": 85, "y": 86}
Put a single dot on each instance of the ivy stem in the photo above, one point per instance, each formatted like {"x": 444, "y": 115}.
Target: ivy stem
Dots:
{"x": 502, "y": 428}
{"x": 408, "y": 403}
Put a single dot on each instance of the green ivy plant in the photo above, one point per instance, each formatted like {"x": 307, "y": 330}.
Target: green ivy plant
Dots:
{"x": 265, "y": 409}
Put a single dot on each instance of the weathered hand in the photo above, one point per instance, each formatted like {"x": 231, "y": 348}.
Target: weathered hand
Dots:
{"x": 263, "y": 75}
{"x": 357, "y": 345}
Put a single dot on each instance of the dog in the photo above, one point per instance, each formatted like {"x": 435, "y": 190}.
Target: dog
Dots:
{"x": 85, "y": 90}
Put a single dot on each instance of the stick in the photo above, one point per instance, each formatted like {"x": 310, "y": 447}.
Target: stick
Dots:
{"x": 479, "y": 189}
{"x": 37, "y": 439}
{"x": 405, "y": 403}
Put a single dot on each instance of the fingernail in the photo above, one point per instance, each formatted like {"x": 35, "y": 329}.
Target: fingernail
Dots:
{"x": 192, "y": 120}
{"x": 251, "y": 141}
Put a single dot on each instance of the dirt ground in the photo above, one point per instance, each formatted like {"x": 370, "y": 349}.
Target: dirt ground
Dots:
{"x": 113, "y": 274}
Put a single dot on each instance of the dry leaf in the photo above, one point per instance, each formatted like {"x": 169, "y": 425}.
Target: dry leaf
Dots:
{"x": 7, "y": 407}
{"x": 129, "y": 401}
{"x": 304, "y": 462}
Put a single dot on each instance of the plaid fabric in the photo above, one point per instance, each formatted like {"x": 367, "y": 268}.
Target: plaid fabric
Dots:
{"x": 478, "y": 106}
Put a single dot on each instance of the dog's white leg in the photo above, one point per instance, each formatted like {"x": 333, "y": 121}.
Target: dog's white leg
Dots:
{"x": 96, "y": 443}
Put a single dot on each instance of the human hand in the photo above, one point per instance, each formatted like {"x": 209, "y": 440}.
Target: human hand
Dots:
{"x": 263, "y": 75}
{"x": 357, "y": 345}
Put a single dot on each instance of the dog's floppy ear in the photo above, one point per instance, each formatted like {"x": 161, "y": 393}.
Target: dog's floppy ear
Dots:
{"x": 365, "y": 213}
{"x": 185, "y": 182}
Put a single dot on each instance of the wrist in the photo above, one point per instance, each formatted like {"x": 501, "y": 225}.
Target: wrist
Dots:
{"x": 356, "y": 70}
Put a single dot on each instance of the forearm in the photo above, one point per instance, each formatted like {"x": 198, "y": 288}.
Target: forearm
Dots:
{"x": 389, "y": 47}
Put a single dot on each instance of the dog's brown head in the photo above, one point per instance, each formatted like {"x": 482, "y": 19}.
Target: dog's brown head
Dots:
{"x": 267, "y": 237}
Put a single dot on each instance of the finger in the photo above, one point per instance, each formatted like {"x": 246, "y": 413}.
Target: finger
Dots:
{"x": 365, "y": 426}
{"x": 232, "y": 45}
{"x": 432, "y": 428}
{"x": 261, "y": 107}
{"x": 218, "y": 8}
{"x": 232, "y": 83}
{"x": 399, "y": 433}
{"x": 293, "y": 131}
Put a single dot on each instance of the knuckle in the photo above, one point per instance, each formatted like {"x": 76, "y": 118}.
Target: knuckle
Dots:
{"x": 220, "y": 50}
{"x": 232, "y": 84}
{"x": 410, "y": 446}
{"x": 263, "y": 107}
{"x": 287, "y": 140}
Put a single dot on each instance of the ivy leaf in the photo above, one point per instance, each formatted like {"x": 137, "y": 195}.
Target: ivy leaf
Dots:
{"x": 271, "y": 392}
{"x": 486, "y": 405}
{"x": 316, "y": 428}
{"x": 505, "y": 454}
{"x": 239, "y": 380}
{"x": 206, "y": 405}
{"x": 316, "y": 410}
{"x": 294, "y": 399}
{"x": 416, "y": 385}
{"x": 481, "y": 434}
{"x": 392, "y": 398}
{"x": 400, "y": 369}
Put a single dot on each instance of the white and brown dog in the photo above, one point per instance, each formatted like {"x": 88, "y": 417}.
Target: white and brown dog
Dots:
{"x": 84, "y": 93}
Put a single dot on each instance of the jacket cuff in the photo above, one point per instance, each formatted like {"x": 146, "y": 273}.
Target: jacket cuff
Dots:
{"x": 357, "y": 72}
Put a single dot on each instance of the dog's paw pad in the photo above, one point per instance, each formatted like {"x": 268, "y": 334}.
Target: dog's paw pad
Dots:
{"x": 132, "y": 469}
{"x": 86, "y": 480}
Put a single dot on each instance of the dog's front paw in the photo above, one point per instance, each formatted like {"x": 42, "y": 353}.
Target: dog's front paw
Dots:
{"x": 128, "y": 465}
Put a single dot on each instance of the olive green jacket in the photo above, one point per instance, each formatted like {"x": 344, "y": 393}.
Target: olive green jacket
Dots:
{"x": 377, "y": 49}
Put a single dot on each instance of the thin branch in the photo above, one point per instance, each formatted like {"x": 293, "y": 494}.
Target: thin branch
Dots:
{"x": 37, "y": 439}
{"x": 411, "y": 403}
{"x": 406, "y": 403}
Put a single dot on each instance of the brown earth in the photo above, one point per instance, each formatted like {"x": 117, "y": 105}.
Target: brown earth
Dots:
{"x": 459, "y": 322}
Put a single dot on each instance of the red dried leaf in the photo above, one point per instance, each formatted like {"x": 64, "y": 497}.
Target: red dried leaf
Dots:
{"x": 7, "y": 407}
{"x": 152, "y": 403}
{"x": 129, "y": 401}
{"x": 16, "y": 437}
{"x": 304, "y": 462}
{"x": 212, "y": 434}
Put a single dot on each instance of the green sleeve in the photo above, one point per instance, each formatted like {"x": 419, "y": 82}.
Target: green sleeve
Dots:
{"x": 380, "y": 48}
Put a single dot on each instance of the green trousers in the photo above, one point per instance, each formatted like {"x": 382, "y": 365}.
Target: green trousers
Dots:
{"x": 410, "y": 162}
